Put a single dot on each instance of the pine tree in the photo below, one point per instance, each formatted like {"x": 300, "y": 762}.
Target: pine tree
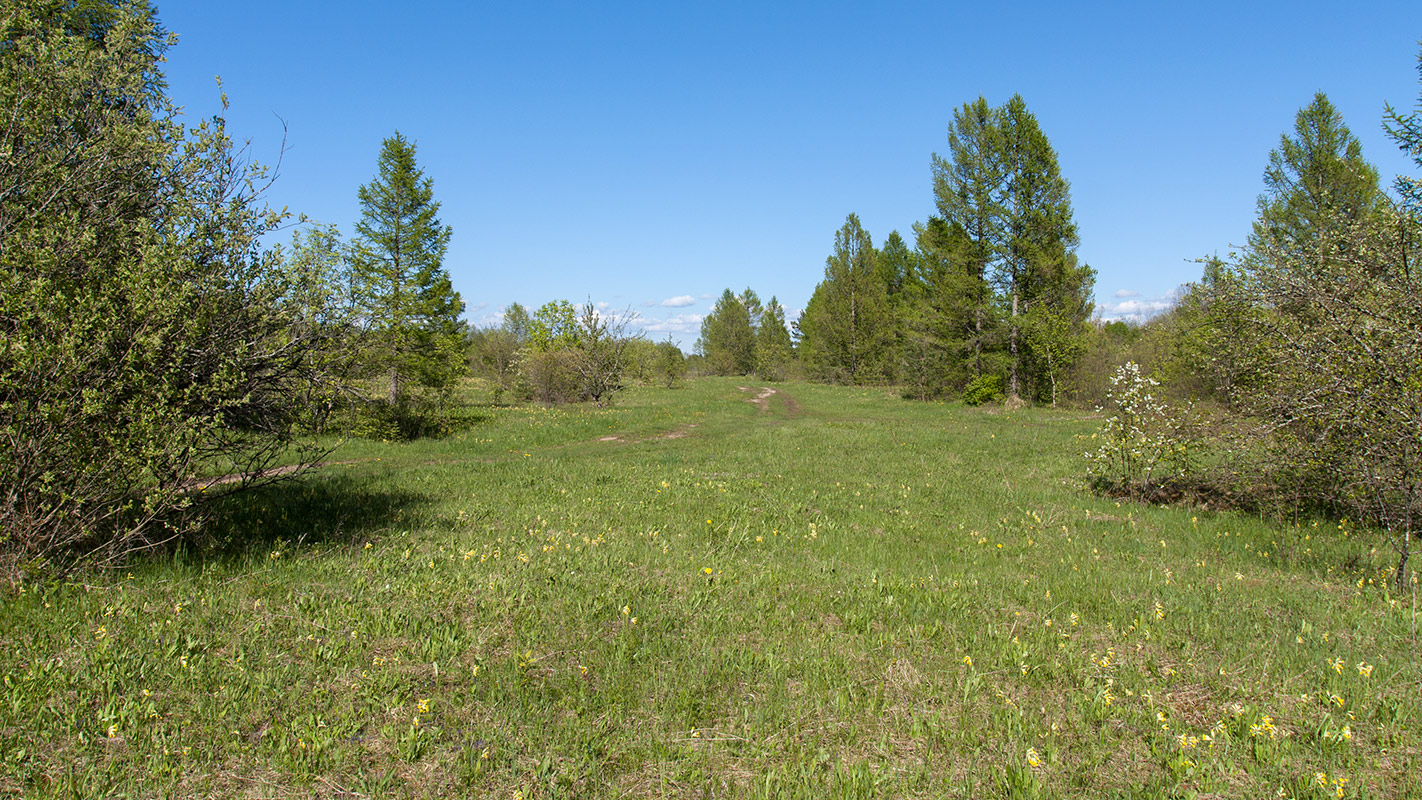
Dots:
{"x": 1406, "y": 131}
{"x": 410, "y": 306}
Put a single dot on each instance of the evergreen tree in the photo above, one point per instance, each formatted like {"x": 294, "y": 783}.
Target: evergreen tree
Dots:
{"x": 894, "y": 268}
{"x": 1316, "y": 180}
{"x": 1406, "y": 130}
{"x": 1038, "y": 264}
{"x": 846, "y": 329}
{"x": 945, "y": 312}
{"x": 727, "y": 338}
{"x": 411, "y": 308}
{"x": 968, "y": 189}
{"x": 773, "y": 349}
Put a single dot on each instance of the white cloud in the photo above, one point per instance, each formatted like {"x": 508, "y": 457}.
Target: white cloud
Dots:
{"x": 680, "y": 301}
{"x": 1135, "y": 308}
{"x": 682, "y": 324}
{"x": 708, "y": 296}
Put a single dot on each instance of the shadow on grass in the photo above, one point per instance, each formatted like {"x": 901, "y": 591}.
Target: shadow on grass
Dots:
{"x": 312, "y": 509}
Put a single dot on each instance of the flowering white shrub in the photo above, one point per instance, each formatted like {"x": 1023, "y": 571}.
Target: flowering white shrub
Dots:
{"x": 1144, "y": 444}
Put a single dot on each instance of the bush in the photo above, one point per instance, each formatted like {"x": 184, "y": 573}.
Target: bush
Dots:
{"x": 1146, "y": 447}
{"x": 148, "y": 339}
{"x": 983, "y": 389}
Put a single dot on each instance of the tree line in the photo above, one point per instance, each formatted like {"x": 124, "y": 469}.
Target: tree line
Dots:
{"x": 989, "y": 302}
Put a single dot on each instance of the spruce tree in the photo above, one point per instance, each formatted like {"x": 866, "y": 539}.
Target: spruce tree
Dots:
{"x": 410, "y": 306}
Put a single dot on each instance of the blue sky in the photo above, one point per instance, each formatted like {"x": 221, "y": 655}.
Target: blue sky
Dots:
{"x": 650, "y": 155}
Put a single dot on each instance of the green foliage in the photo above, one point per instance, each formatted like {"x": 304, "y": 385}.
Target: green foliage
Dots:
{"x": 1332, "y": 350}
{"x": 773, "y": 348}
{"x": 670, "y": 365}
{"x": 1406, "y": 131}
{"x": 494, "y": 356}
{"x": 1000, "y": 281}
{"x": 554, "y": 326}
{"x": 847, "y": 328}
{"x": 983, "y": 389}
{"x": 411, "y": 310}
{"x": 1145, "y": 446}
{"x": 728, "y": 335}
{"x": 1316, "y": 181}
{"x": 149, "y": 342}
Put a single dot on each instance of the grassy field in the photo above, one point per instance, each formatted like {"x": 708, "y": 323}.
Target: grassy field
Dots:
{"x": 829, "y": 593}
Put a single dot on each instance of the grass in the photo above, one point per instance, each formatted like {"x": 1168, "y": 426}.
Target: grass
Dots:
{"x": 840, "y": 595}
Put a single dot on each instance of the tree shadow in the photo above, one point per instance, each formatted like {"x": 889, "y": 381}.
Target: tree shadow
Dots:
{"x": 311, "y": 509}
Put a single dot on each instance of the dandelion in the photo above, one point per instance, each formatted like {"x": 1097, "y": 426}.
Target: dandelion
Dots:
{"x": 707, "y": 570}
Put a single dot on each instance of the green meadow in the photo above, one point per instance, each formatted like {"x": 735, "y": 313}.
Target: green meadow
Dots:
{"x": 829, "y": 592}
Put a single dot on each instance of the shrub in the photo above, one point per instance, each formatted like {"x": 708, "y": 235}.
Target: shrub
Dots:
{"x": 148, "y": 340}
{"x": 983, "y": 389}
{"x": 1145, "y": 445}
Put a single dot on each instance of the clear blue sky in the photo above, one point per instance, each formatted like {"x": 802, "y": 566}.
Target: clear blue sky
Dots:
{"x": 652, "y": 154}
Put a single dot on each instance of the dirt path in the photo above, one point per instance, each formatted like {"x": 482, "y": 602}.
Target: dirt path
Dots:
{"x": 762, "y": 397}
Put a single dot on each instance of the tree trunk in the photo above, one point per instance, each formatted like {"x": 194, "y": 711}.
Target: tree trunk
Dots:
{"x": 1012, "y": 390}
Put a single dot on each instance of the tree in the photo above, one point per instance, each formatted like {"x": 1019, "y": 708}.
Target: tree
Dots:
{"x": 554, "y": 326}
{"x": 146, "y": 338}
{"x": 411, "y": 308}
{"x": 773, "y": 349}
{"x": 1316, "y": 179}
{"x": 1333, "y": 354}
{"x": 670, "y": 364}
{"x": 1406, "y": 130}
{"x": 517, "y": 323}
{"x": 727, "y": 338}
{"x": 602, "y": 352}
{"x": 846, "y": 328}
{"x": 968, "y": 190}
{"x": 1038, "y": 261}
